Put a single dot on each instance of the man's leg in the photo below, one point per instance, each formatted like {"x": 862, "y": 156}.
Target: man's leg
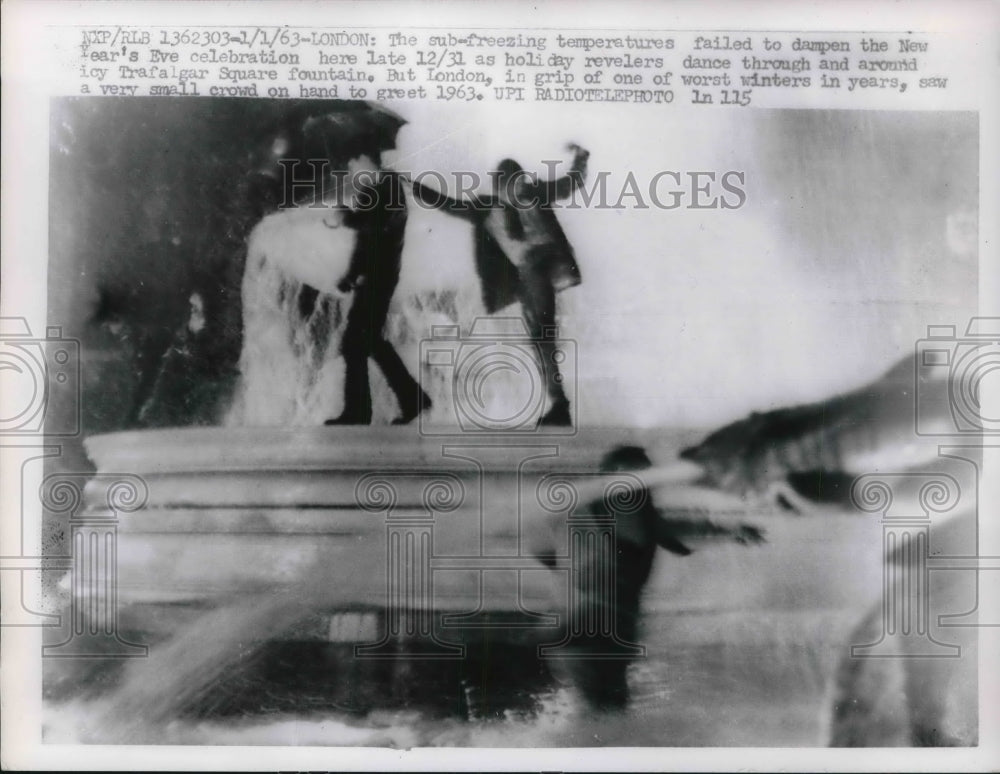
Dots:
{"x": 411, "y": 398}
{"x": 355, "y": 346}
{"x": 602, "y": 682}
{"x": 357, "y": 392}
{"x": 538, "y": 300}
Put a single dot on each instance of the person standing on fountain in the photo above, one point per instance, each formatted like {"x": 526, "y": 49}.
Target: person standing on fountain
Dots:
{"x": 377, "y": 211}
{"x": 522, "y": 254}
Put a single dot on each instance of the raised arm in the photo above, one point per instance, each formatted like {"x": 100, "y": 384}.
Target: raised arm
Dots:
{"x": 563, "y": 187}
{"x": 463, "y": 208}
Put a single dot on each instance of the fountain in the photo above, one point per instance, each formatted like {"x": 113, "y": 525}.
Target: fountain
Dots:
{"x": 383, "y": 543}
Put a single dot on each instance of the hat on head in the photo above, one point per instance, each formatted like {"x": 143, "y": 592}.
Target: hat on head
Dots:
{"x": 626, "y": 457}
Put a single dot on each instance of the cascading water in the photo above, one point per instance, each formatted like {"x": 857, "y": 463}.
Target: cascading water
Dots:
{"x": 294, "y": 318}
{"x": 269, "y": 562}
{"x": 260, "y": 562}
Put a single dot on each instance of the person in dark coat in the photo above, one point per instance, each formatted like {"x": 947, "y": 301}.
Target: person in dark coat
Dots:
{"x": 335, "y": 155}
{"x": 638, "y": 535}
{"x": 602, "y": 680}
{"x": 379, "y": 218}
{"x": 522, "y": 254}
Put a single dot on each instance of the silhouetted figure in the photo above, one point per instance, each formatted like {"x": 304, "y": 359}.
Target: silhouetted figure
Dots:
{"x": 333, "y": 158}
{"x": 147, "y": 316}
{"x": 380, "y": 220}
{"x": 602, "y": 680}
{"x": 638, "y": 534}
{"x": 522, "y": 254}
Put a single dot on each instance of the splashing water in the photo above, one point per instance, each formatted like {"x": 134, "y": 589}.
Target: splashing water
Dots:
{"x": 291, "y": 375}
{"x": 294, "y": 318}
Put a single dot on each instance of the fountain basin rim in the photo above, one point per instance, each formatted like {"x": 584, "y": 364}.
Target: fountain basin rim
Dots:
{"x": 372, "y": 448}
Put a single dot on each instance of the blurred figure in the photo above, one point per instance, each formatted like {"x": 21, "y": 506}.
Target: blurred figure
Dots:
{"x": 600, "y": 659}
{"x": 145, "y": 316}
{"x": 601, "y": 679}
{"x": 811, "y": 453}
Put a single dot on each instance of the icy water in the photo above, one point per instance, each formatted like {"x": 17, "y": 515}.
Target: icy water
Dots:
{"x": 741, "y": 643}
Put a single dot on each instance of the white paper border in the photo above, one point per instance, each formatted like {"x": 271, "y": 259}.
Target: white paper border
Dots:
{"x": 23, "y": 293}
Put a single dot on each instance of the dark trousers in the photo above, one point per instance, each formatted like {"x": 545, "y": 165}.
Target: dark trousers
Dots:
{"x": 363, "y": 338}
{"x": 602, "y": 680}
{"x": 538, "y": 302}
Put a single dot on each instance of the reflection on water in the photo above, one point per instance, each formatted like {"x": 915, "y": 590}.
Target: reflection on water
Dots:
{"x": 741, "y": 645}
{"x": 705, "y": 691}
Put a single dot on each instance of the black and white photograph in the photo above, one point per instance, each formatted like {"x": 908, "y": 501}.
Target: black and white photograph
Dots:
{"x": 531, "y": 399}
